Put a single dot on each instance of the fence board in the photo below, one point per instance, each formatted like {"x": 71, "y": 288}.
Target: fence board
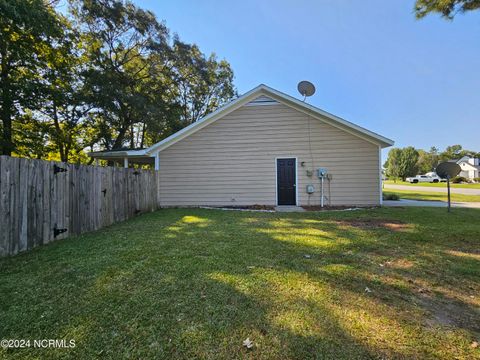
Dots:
{"x": 34, "y": 200}
{"x": 5, "y": 205}
{"x": 14, "y": 199}
{"x": 45, "y": 168}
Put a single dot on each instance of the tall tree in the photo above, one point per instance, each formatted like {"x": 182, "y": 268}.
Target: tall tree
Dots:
{"x": 120, "y": 37}
{"x": 143, "y": 88}
{"x": 392, "y": 163}
{"x": 64, "y": 106}
{"x": 408, "y": 162}
{"x": 402, "y": 163}
{"x": 427, "y": 160}
{"x": 27, "y": 29}
{"x": 203, "y": 83}
{"x": 104, "y": 75}
{"x": 447, "y": 8}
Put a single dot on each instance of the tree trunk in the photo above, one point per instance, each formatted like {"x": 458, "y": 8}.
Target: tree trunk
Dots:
{"x": 59, "y": 136}
{"x": 119, "y": 140}
{"x": 132, "y": 139}
{"x": 142, "y": 139}
{"x": 123, "y": 130}
{"x": 7, "y": 104}
{"x": 67, "y": 150}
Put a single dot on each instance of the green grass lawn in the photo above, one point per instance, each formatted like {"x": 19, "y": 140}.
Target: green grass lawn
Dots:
{"x": 425, "y": 195}
{"x": 444, "y": 185}
{"x": 195, "y": 283}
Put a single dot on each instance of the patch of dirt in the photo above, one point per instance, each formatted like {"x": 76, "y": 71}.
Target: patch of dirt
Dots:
{"x": 398, "y": 264}
{"x": 450, "y": 312}
{"x": 394, "y": 225}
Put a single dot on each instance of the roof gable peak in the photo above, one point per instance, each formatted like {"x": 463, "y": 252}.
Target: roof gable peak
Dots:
{"x": 278, "y": 97}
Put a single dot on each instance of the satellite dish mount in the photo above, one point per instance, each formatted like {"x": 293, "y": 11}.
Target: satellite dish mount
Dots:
{"x": 448, "y": 170}
{"x": 306, "y": 89}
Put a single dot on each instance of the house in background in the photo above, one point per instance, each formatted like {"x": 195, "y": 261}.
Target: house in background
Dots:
{"x": 470, "y": 167}
{"x": 265, "y": 148}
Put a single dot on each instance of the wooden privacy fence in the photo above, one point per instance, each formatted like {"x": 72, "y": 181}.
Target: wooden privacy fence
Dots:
{"x": 42, "y": 201}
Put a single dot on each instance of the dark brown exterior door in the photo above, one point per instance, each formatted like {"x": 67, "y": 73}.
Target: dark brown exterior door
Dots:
{"x": 286, "y": 186}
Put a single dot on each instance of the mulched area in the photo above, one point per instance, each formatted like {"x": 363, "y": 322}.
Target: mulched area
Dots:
{"x": 339, "y": 207}
{"x": 249, "y": 207}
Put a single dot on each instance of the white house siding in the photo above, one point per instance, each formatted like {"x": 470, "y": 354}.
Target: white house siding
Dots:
{"x": 232, "y": 161}
{"x": 468, "y": 171}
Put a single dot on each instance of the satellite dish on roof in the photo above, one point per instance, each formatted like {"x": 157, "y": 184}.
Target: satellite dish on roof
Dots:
{"x": 306, "y": 88}
{"x": 448, "y": 170}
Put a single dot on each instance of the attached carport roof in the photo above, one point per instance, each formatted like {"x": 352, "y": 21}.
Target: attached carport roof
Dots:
{"x": 134, "y": 156}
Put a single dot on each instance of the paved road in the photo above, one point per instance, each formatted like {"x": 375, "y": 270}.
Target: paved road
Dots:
{"x": 433, "y": 189}
{"x": 405, "y": 202}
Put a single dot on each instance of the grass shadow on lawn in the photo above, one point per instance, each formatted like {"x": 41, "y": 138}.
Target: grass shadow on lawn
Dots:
{"x": 380, "y": 264}
{"x": 187, "y": 283}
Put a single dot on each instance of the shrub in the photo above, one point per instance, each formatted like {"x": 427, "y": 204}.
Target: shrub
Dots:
{"x": 477, "y": 179}
{"x": 391, "y": 196}
{"x": 459, "y": 179}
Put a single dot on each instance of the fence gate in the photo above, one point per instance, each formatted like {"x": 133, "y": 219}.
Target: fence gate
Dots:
{"x": 42, "y": 201}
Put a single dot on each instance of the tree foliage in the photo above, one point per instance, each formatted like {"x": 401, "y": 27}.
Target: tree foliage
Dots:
{"x": 213, "y": 81}
{"x": 402, "y": 163}
{"x": 104, "y": 75}
{"x": 427, "y": 160}
{"x": 447, "y": 8}
{"x": 125, "y": 46}
{"x": 455, "y": 152}
{"x": 408, "y": 162}
{"x": 28, "y": 29}
{"x": 392, "y": 165}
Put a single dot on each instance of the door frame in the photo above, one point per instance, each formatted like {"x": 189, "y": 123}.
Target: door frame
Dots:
{"x": 296, "y": 178}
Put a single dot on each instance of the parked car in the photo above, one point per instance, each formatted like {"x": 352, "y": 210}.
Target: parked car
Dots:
{"x": 434, "y": 175}
{"x": 423, "y": 178}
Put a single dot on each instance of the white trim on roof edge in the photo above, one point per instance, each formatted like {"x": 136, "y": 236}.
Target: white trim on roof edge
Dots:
{"x": 282, "y": 98}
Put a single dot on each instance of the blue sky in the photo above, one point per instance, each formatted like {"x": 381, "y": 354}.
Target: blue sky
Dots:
{"x": 372, "y": 62}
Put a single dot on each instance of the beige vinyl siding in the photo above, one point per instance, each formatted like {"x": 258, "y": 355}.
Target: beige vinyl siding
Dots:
{"x": 232, "y": 161}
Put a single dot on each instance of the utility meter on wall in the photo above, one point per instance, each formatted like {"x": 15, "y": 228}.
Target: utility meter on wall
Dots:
{"x": 321, "y": 172}
{"x": 310, "y": 189}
